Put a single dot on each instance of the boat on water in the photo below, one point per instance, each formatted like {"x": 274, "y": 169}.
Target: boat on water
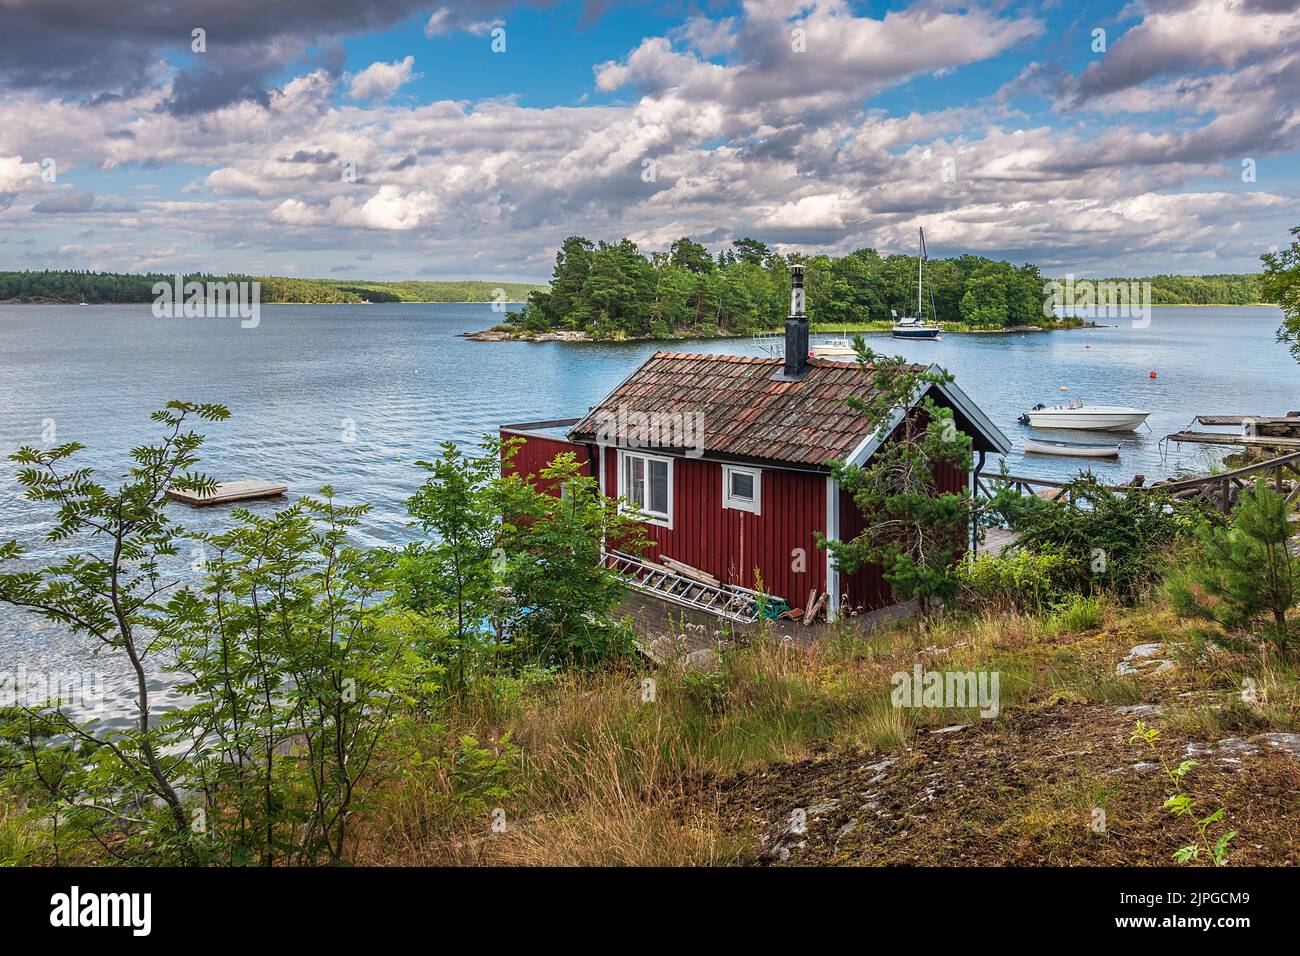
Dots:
{"x": 1104, "y": 418}
{"x": 1070, "y": 449}
{"x": 834, "y": 348}
{"x": 915, "y": 327}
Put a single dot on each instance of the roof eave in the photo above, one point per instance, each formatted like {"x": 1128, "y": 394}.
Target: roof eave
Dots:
{"x": 958, "y": 399}
{"x": 805, "y": 466}
{"x": 974, "y": 414}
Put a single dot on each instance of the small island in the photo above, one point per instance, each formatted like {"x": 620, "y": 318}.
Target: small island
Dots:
{"x": 612, "y": 291}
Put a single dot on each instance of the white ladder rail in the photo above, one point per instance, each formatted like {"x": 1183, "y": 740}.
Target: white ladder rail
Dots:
{"x": 739, "y": 605}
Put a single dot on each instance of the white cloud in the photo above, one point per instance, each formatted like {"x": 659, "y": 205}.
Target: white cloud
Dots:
{"x": 381, "y": 80}
{"x": 444, "y": 21}
{"x": 17, "y": 176}
{"x": 747, "y": 138}
{"x": 389, "y": 209}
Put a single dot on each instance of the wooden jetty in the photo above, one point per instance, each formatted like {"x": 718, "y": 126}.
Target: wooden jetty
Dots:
{"x": 1289, "y": 422}
{"x": 1227, "y": 438}
{"x": 228, "y": 492}
{"x": 1254, "y": 431}
{"x": 1282, "y": 472}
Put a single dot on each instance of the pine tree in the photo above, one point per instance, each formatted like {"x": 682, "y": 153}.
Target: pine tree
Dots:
{"x": 1247, "y": 577}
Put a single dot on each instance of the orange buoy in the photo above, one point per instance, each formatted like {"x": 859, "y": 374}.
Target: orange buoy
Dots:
{"x": 1064, "y": 389}
{"x": 1153, "y": 375}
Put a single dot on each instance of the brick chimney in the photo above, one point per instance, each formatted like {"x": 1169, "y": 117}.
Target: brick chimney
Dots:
{"x": 796, "y": 332}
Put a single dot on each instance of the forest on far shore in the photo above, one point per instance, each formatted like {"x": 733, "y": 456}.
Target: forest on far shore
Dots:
{"x": 99, "y": 288}
{"x": 613, "y": 290}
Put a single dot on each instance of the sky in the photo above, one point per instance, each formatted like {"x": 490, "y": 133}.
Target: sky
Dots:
{"x": 394, "y": 139}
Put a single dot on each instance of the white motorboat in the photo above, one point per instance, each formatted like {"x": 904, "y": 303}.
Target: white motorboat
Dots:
{"x": 1105, "y": 418}
{"x": 834, "y": 348}
{"x": 1071, "y": 449}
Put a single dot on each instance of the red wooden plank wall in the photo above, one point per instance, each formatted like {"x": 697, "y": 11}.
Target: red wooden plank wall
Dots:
{"x": 538, "y": 451}
{"x": 866, "y": 589}
{"x": 730, "y": 544}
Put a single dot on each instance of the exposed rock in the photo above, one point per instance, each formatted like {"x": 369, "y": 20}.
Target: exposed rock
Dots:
{"x": 1247, "y": 746}
{"x": 950, "y": 730}
{"x": 703, "y": 659}
{"x": 1142, "y": 660}
{"x": 1141, "y": 710}
{"x": 503, "y": 335}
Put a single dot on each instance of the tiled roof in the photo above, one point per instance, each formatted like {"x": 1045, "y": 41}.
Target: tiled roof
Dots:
{"x": 743, "y": 413}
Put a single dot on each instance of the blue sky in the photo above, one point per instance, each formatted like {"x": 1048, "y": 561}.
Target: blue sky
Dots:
{"x": 817, "y": 126}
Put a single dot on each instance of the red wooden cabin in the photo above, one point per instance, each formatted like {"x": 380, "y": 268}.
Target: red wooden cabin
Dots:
{"x": 730, "y": 457}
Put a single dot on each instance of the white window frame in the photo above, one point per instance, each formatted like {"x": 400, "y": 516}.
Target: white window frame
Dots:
{"x": 740, "y": 504}
{"x": 625, "y": 503}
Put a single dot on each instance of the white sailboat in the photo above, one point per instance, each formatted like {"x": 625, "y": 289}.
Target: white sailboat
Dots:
{"x": 914, "y": 327}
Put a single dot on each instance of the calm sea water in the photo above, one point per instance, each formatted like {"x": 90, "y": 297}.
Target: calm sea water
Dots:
{"x": 353, "y": 395}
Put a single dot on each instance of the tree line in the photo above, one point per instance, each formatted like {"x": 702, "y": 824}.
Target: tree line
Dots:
{"x": 614, "y": 290}
{"x": 99, "y": 288}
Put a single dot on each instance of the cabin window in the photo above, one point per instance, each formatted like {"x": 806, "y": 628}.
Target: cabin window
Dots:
{"x": 742, "y": 488}
{"x": 648, "y": 484}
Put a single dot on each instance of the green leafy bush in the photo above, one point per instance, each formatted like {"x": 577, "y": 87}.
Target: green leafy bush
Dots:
{"x": 1019, "y": 580}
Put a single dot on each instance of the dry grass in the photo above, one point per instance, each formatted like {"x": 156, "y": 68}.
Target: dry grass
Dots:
{"x": 598, "y": 776}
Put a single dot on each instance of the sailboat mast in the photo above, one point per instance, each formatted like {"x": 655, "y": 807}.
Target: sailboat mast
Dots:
{"x": 920, "y": 258}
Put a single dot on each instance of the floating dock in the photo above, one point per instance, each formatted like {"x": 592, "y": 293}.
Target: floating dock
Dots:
{"x": 1254, "y": 431}
{"x": 1227, "y": 438}
{"x": 228, "y": 492}
{"x": 1289, "y": 421}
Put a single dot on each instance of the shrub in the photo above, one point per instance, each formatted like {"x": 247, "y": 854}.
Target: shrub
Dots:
{"x": 1017, "y": 580}
{"x": 1078, "y": 614}
{"x": 1109, "y": 540}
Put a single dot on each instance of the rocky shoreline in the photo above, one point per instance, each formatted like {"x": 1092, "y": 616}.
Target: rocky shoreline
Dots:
{"x": 573, "y": 335}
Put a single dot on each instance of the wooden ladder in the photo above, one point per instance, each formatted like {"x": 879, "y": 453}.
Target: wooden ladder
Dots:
{"x": 734, "y": 604}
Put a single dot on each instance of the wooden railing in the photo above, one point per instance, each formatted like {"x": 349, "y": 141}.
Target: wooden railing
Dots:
{"x": 987, "y": 485}
{"x": 1220, "y": 489}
